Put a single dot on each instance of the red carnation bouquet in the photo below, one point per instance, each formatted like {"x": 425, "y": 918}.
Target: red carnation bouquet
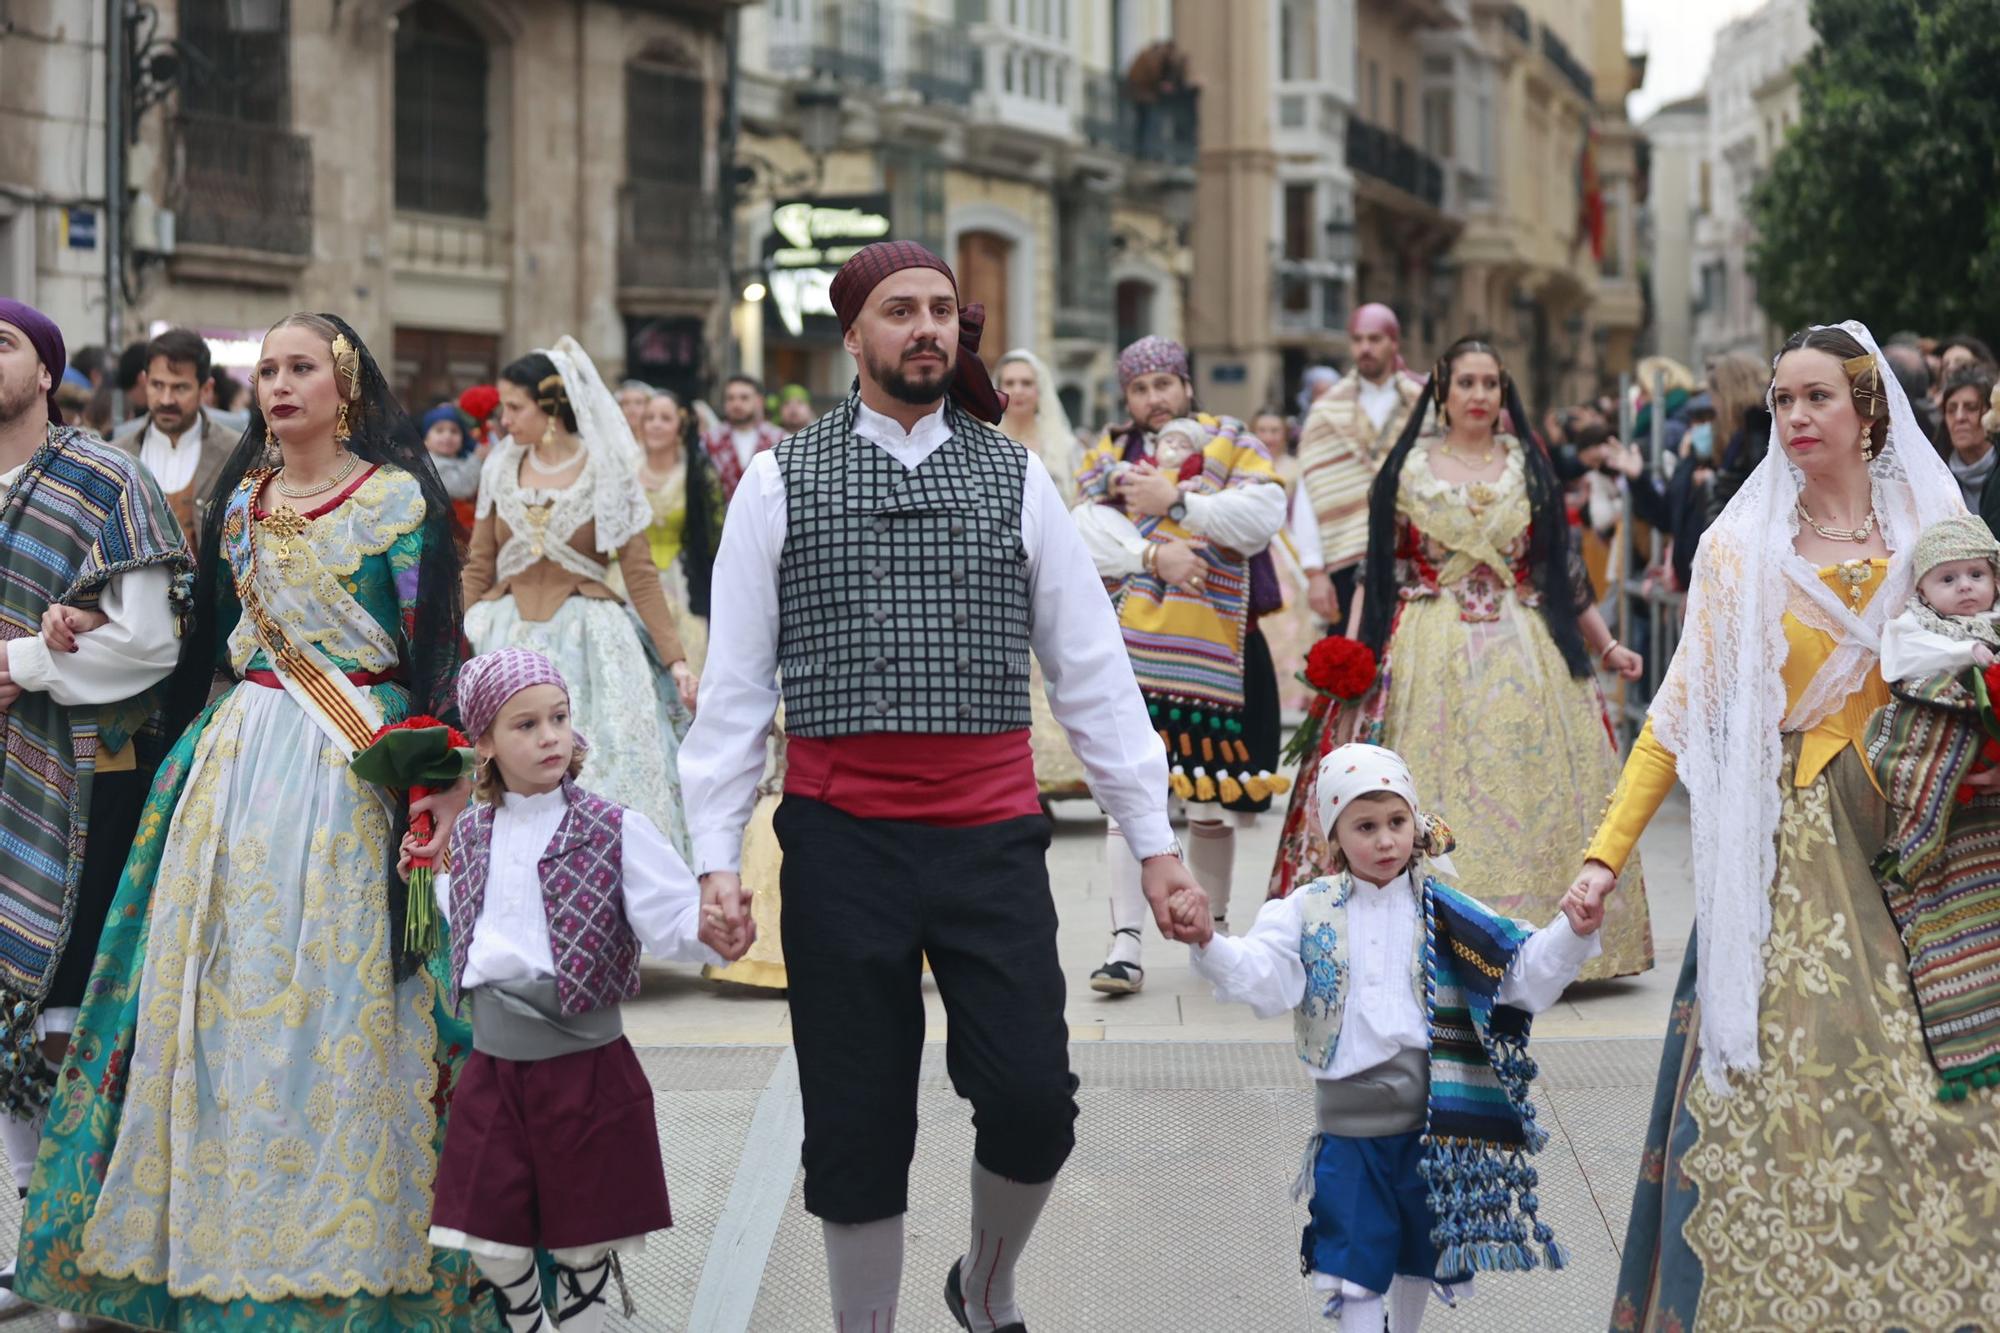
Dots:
{"x": 1986, "y": 688}
{"x": 419, "y": 755}
{"x": 1338, "y": 670}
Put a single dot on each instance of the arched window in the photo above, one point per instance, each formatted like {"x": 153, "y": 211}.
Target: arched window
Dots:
{"x": 441, "y": 66}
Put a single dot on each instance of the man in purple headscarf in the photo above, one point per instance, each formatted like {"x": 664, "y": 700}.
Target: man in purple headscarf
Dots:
{"x": 1190, "y": 574}
{"x": 1344, "y": 439}
{"x": 79, "y": 717}
{"x": 887, "y": 572}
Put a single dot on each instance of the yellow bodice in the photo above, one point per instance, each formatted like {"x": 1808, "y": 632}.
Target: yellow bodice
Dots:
{"x": 1649, "y": 770}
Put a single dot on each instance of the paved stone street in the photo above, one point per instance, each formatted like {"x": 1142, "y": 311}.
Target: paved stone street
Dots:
{"x": 1175, "y": 1211}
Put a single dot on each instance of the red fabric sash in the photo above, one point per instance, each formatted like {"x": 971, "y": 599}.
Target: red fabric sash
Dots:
{"x": 950, "y": 781}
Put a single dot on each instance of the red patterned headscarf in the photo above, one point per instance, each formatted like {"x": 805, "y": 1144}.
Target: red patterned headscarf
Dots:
{"x": 861, "y": 275}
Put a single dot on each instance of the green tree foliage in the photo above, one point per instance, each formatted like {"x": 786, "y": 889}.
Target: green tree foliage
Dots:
{"x": 1884, "y": 202}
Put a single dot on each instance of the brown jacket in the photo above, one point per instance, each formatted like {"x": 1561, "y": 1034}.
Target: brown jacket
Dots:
{"x": 543, "y": 586}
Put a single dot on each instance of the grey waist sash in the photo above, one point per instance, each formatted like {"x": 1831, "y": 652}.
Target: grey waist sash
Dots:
{"x": 523, "y": 1020}
{"x": 1389, "y": 1099}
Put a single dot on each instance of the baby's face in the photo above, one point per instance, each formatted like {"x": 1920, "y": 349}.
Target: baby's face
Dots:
{"x": 1959, "y": 587}
{"x": 1170, "y": 451}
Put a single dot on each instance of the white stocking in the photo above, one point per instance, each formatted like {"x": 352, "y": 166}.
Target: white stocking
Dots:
{"x": 1211, "y": 855}
{"x": 519, "y": 1286}
{"x": 1407, "y": 1298}
{"x": 864, "y": 1268}
{"x": 22, "y": 1139}
{"x": 1360, "y": 1309}
{"x": 584, "y": 1286}
{"x": 1129, "y": 912}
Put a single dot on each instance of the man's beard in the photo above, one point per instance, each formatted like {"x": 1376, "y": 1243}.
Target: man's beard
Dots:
{"x": 906, "y": 390}
{"x": 1372, "y": 370}
{"x": 14, "y": 406}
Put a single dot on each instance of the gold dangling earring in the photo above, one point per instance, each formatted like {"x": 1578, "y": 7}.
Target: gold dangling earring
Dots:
{"x": 341, "y": 433}
{"x": 549, "y": 435}
{"x": 273, "y": 456}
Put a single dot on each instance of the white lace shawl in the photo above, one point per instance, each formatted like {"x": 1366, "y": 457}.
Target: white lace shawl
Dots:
{"x": 1721, "y": 708}
{"x": 1055, "y": 441}
{"x": 610, "y": 477}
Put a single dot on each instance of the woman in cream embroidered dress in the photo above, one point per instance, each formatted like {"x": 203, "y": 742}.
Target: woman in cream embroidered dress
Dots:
{"x": 246, "y": 1130}
{"x": 553, "y": 516}
{"x": 1800, "y": 1170}
{"x": 1035, "y": 417}
{"x": 1475, "y": 603}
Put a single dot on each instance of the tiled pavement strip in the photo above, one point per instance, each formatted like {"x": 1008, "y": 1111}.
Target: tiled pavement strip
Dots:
{"x": 1175, "y": 1212}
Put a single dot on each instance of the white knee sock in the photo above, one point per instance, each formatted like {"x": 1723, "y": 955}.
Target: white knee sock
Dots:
{"x": 864, "y": 1267}
{"x": 1407, "y": 1298}
{"x": 520, "y": 1289}
{"x": 1003, "y": 1217}
{"x": 1129, "y": 912}
{"x": 1360, "y": 1309}
{"x": 585, "y": 1285}
{"x": 1211, "y": 855}
{"x": 22, "y": 1139}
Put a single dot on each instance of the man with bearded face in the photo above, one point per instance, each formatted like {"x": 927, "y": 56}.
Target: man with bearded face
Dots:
{"x": 1343, "y": 441}
{"x": 182, "y": 443}
{"x": 93, "y": 543}
{"x": 893, "y": 564}
{"x": 1189, "y": 573}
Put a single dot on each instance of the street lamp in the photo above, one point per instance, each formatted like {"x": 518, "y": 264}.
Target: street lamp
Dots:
{"x": 817, "y": 108}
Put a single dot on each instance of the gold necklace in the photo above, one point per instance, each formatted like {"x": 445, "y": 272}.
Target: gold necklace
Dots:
{"x": 294, "y": 493}
{"x": 1485, "y": 461}
{"x": 1860, "y": 534}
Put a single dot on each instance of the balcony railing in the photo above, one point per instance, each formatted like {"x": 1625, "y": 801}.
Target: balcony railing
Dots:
{"x": 1164, "y": 131}
{"x": 1309, "y": 301}
{"x": 1567, "y": 65}
{"x": 842, "y": 43}
{"x": 668, "y": 238}
{"x": 1374, "y": 151}
{"x": 942, "y": 66}
{"x": 242, "y": 186}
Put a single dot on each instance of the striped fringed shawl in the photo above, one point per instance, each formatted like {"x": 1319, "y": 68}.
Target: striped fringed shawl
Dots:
{"x": 78, "y": 515}
{"x": 1481, "y": 1126}
{"x": 1940, "y": 874}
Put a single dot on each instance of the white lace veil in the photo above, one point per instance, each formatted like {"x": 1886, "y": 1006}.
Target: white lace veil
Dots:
{"x": 1721, "y": 708}
{"x": 1055, "y": 440}
{"x": 611, "y": 453}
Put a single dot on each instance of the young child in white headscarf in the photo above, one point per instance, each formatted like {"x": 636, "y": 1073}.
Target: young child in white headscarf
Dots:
{"x": 1410, "y": 1007}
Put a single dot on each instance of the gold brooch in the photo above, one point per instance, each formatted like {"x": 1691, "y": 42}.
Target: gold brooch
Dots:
{"x": 284, "y": 523}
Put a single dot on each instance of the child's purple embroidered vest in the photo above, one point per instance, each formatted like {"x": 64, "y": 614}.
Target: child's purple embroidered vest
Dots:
{"x": 583, "y": 894}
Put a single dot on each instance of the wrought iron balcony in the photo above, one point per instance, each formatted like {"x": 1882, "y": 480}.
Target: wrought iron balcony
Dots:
{"x": 1567, "y": 65}
{"x": 668, "y": 238}
{"x": 1165, "y": 131}
{"x": 942, "y": 66}
{"x": 840, "y": 43}
{"x": 1374, "y": 151}
{"x": 242, "y": 186}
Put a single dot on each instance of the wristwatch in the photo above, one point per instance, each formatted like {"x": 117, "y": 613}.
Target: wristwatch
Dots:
{"x": 1179, "y": 511}
{"x": 1172, "y": 849}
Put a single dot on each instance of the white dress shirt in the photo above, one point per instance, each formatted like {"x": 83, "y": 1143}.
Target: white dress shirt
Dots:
{"x": 1382, "y": 1015}
{"x": 510, "y": 941}
{"x": 132, "y": 653}
{"x": 1379, "y": 401}
{"x": 172, "y": 462}
{"x": 745, "y": 440}
{"x": 1304, "y": 526}
{"x": 1910, "y": 651}
{"x": 1074, "y": 634}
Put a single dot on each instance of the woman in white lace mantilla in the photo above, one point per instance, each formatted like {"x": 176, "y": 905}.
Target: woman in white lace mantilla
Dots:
{"x": 1801, "y": 1169}
{"x": 561, "y": 505}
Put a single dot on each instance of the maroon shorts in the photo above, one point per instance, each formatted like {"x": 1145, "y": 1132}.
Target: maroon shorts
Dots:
{"x": 553, "y": 1154}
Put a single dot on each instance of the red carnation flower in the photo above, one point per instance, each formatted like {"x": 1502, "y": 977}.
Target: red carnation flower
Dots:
{"x": 1341, "y": 667}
